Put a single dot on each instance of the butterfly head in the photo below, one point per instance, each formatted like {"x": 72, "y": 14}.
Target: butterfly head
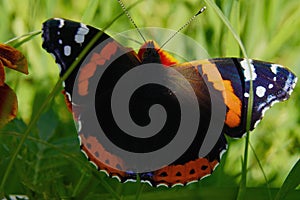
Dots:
{"x": 150, "y": 52}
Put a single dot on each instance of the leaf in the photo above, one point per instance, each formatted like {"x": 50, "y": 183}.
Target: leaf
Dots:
{"x": 47, "y": 124}
{"x": 8, "y": 104}
{"x": 290, "y": 183}
{"x": 12, "y": 58}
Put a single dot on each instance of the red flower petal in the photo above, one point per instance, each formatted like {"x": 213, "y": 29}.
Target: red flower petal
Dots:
{"x": 8, "y": 105}
{"x": 13, "y": 58}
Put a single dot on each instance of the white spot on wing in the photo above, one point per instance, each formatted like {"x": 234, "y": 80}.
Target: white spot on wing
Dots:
{"x": 162, "y": 185}
{"x": 69, "y": 96}
{"x": 104, "y": 171}
{"x": 94, "y": 164}
{"x": 260, "y": 91}
{"x": 79, "y": 39}
{"x": 59, "y": 67}
{"x": 146, "y": 181}
{"x": 256, "y": 123}
{"x": 117, "y": 177}
{"x": 264, "y": 111}
{"x": 290, "y": 84}
{"x": 61, "y": 23}
{"x": 270, "y": 86}
{"x": 18, "y": 196}
{"x": 248, "y": 72}
{"x": 193, "y": 181}
{"x": 276, "y": 101}
{"x": 274, "y": 68}
{"x": 84, "y": 153}
{"x": 246, "y": 94}
{"x": 295, "y": 81}
{"x": 79, "y": 126}
{"x": 215, "y": 167}
{"x": 207, "y": 175}
{"x": 223, "y": 152}
{"x": 177, "y": 184}
{"x": 81, "y": 32}
{"x": 53, "y": 56}
{"x": 67, "y": 50}
{"x": 80, "y": 142}
{"x": 130, "y": 180}
{"x": 293, "y": 85}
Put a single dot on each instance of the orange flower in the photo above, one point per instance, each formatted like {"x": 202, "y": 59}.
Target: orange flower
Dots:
{"x": 13, "y": 59}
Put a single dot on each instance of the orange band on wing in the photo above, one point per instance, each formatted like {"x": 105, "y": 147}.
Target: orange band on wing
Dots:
{"x": 191, "y": 171}
{"x": 234, "y": 104}
{"x": 87, "y": 71}
{"x": 213, "y": 75}
{"x": 97, "y": 154}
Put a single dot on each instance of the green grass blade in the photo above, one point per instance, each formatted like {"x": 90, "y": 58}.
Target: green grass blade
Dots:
{"x": 233, "y": 49}
{"x": 139, "y": 190}
{"x": 122, "y": 13}
{"x": 268, "y": 31}
{"x": 287, "y": 30}
{"x": 262, "y": 170}
{"x": 290, "y": 183}
{"x": 25, "y": 38}
{"x": 242, "y": 190}
{"x": 71, "y": 158}
{"x": 228, "y": 24}
{"x": 78, "y": 185}
{"x": 90, "y": 11}
{"x": 26, "y": 133}
{"x": 223, "y": 193}
{"x": 52, "y": 94}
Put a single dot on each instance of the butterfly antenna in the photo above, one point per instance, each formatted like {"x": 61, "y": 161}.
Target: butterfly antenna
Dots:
{"x": 182, "y": 27}
{"x": 130, "y": 18}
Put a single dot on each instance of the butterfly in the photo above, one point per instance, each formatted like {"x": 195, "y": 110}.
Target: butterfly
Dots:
{"x": 97, "y": 75}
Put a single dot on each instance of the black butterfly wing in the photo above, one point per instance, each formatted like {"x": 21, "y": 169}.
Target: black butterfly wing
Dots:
{"x": 226, "y": 80}
{"x": 65, "y": 40}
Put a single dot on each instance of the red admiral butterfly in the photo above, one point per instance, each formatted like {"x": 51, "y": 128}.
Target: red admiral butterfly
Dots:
{"x": 230, "y": 77}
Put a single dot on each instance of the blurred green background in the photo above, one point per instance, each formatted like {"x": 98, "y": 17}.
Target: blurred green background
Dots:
{"x": 50, "y": 164}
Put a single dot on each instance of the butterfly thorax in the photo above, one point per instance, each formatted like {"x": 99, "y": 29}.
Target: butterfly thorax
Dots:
{"x": 150, "y": 52}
